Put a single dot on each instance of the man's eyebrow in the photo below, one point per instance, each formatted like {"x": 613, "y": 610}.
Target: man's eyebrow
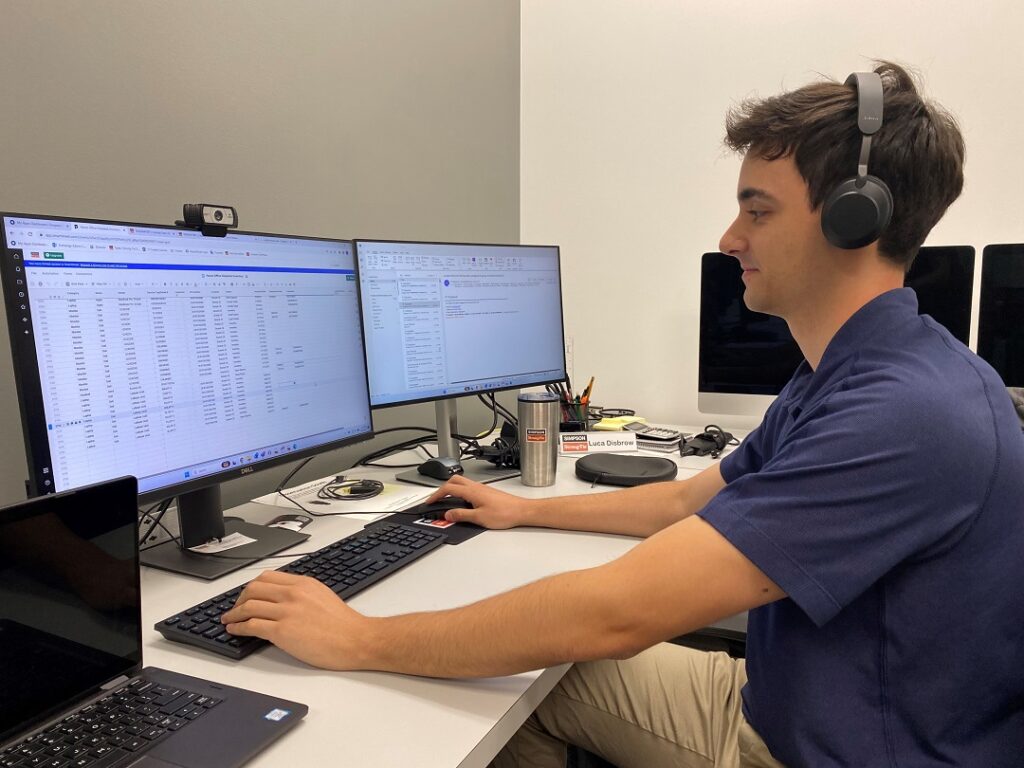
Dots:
{"x": 751, "y": 193}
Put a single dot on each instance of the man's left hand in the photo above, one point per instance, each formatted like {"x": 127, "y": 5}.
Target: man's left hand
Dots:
{"x": 301, "y": 616}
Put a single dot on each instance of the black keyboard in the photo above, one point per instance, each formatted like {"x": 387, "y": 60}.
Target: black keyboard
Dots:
{"x": 111, "y": 731}
{"x": 347, "y": 566}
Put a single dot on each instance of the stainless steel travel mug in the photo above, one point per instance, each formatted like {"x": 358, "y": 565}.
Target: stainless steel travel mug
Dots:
{"x": 538, "y": 437}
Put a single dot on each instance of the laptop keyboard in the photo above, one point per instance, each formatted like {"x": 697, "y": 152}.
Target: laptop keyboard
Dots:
{"x": 347, "y": 566}
{"x": 110, "y": 731}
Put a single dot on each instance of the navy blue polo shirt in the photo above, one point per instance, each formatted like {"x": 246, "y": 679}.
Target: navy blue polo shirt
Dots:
{"x": 884, "y": 493}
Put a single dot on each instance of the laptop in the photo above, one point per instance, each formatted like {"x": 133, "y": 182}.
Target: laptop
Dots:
{"x": 73, "y": 691}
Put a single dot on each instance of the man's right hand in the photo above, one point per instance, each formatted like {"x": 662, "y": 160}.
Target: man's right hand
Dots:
{"x": 491, "y": 508}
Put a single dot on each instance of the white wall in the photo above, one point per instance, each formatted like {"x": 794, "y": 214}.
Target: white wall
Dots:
{"x": 622, "y": 110}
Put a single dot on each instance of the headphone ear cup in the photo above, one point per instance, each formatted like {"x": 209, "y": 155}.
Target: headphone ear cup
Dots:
{"x": 853, "y": 216}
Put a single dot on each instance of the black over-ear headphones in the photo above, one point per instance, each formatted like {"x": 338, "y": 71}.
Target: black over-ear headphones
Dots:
{"x": 859, "y": 208}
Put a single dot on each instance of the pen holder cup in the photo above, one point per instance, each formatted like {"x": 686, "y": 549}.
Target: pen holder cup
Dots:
{"x": 575, "y": 417}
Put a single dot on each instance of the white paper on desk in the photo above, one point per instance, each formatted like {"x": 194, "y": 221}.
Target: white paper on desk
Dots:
{"x": 230, "y": 541}
{"x": 393, "y": 498}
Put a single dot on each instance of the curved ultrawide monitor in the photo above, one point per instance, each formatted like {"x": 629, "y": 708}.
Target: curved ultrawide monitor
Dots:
{"x": 747, "y": 357}
{"x": 443, "y": 320}
{"x": 181, "y": 359}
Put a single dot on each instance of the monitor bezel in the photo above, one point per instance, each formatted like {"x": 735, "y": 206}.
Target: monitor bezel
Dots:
{"x": 494, "y": 390}
{"x": 29, "y": 386}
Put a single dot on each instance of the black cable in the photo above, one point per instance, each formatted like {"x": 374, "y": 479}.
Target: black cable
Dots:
{"x": 341, "y": 489}
{"x": 383, "y": 453}
{"x": 144, "y": 512}
{"x": 292, "y": 474}
{"x": 312, "y": 513}
{"x": 505, "y": 412}
{"x": 494, "y": 411}
{"x": 172, "y": 538}
{"x": 400, "y": 466}
{"x": 163, "y": 507}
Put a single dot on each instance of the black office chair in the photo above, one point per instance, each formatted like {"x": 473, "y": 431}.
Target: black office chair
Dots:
{"x": 716, "y": 639}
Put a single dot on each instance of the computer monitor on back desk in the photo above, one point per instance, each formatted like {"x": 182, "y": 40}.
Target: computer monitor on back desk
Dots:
{"x": 747, "y": 357}
{"x": 1001, "y": 316}
{"x": 183, "y": 360}
{"x": 444, "y": 320}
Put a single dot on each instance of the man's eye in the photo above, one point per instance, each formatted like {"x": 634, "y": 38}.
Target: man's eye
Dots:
{"x": 755, "y": 215}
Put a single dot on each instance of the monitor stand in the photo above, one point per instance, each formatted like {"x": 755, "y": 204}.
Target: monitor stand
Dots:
{"x": 200, "y": 519}
{"x": 447, "y": 445}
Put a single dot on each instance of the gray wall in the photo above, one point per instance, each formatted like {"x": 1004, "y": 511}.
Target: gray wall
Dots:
{"x": 337, "y": 118}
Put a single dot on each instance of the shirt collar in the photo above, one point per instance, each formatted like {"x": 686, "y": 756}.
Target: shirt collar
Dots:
{"x": 880, "y": 315}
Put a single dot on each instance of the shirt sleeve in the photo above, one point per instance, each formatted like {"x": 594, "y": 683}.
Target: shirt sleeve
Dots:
{"x": 749, "y": 455}
{"x": 853, "y": 490}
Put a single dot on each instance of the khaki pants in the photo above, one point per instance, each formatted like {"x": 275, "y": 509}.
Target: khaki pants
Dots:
{"x": 668, "y": 706}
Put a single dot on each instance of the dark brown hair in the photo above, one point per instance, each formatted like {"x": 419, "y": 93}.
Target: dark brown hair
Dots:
{"x": 918, "y": 152}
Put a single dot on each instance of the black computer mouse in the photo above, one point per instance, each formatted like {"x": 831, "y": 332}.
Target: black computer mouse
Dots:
{"x": 436, "y": 510}
{"x": 442, "y": 468}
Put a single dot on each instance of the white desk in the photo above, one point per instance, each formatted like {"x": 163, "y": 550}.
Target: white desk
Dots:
{"x": 379, "y": 719}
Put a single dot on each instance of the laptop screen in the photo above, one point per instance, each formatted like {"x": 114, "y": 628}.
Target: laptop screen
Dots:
{"x": 70, "y": 618}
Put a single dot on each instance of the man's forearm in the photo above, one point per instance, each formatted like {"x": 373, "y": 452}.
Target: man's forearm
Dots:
{"x": 559, "y": 619}
{"x": 638, "y": 511}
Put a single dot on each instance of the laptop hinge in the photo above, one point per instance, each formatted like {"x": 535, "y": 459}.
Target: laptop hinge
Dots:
{"x": 116, "y": 682}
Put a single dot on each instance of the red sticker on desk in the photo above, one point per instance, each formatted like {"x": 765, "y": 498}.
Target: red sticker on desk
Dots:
{"x": 434, "y": 523}
{"x": 536, "y": 435}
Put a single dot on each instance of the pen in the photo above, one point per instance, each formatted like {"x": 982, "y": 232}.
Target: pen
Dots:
{"x": 586, "y": 392}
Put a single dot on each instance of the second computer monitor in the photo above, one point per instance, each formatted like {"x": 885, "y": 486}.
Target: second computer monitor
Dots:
{"x": 441, "y": 320}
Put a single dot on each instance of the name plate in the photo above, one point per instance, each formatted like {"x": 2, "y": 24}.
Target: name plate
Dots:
{"x": 578, "y": 443}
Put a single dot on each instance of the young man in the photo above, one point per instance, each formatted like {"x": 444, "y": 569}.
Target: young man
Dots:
{"x": 872, "y": 524}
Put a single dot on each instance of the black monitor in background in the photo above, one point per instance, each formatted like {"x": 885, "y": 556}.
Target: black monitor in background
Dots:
{"x": 444, "y": 320}
{"x": 183, "y": 360}
{"x": 747, "y": 357}
{"x": 1001, "y": 315}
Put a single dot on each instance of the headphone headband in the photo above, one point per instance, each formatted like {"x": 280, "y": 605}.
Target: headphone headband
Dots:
{"x": 870, "y": 100}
